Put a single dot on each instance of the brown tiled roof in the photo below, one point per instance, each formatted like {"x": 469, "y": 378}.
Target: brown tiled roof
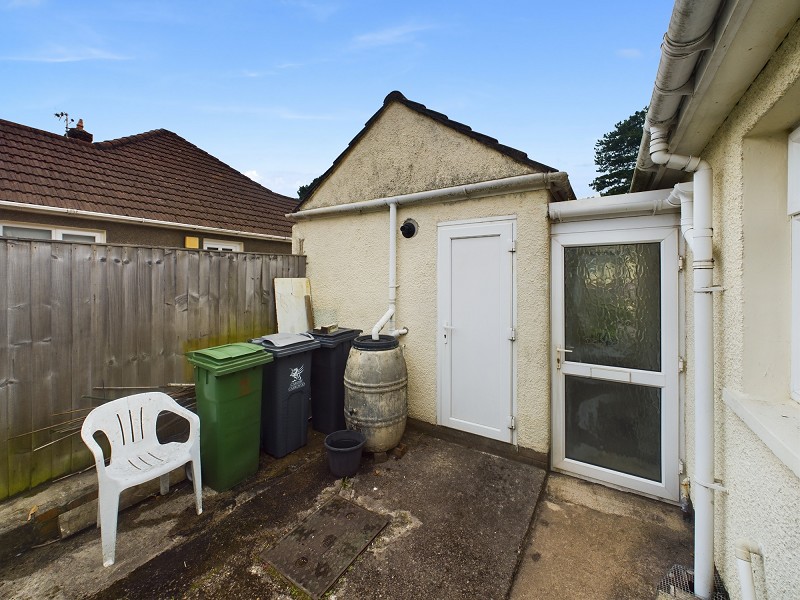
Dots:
{"x": 490, "y": 142}
{"x": 154, "y": 175}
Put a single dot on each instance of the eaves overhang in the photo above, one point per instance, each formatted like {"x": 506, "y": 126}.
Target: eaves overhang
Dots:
{"x": 746, "y": 34}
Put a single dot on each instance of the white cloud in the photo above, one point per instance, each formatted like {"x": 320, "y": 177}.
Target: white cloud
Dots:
{"x": 631, "y": 53}
{"x": 253, "y": 174}
{"x": 61, "y": 54}
{"x": 402, "y": 34}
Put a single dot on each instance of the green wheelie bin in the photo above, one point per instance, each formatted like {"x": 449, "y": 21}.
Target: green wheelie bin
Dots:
{"x": 228, "y": 388}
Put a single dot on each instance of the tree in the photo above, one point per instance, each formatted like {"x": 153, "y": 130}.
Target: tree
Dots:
{"x": 304, "y": 190}
{"x": 615, "y": 155}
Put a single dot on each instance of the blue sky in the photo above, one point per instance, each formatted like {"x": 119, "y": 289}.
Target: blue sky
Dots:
{"x": 277, "y": 88}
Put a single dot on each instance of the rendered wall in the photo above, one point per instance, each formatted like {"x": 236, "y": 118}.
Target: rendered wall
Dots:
{"x": 751, "y": 253}
{"x": 347, "y": 255}
{"x": 405, "y": 152}
{"x": 142, "y": 235}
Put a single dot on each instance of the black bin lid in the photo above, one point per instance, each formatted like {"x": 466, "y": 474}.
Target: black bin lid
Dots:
{"x": 384, "y": 342}
{"x": 286, "y": 344}
{"x": 331, "y": 340}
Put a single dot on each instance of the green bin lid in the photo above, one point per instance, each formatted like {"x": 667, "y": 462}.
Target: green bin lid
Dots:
{"x": 230, "y": 358}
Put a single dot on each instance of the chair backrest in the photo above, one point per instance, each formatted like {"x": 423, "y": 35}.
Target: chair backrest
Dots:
{"x": 127, "y": 421}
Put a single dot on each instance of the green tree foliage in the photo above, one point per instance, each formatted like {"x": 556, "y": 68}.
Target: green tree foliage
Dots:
{"x": 304, "y": 190}
{"x": 615, "y": 155}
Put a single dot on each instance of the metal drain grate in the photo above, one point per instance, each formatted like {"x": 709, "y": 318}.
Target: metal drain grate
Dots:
{"x": 679, "y": 583}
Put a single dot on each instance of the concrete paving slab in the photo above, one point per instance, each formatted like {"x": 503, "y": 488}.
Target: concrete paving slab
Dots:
{"x": 595, "y": 543}
{"x": 458, "y": 518}
{"x": 460, "y": 527}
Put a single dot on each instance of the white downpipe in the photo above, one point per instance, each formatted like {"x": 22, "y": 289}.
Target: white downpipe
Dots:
{"x": 382, "y": 323}
{"x": 700, "y": 241}
{"x": 388, "y": 316}
{"x": 683, "y": 195}
{"x": 744, "y": 550}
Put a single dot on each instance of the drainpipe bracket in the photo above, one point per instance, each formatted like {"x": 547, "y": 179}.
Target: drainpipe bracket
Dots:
{"x": 681, "y": 50}
{"x": 709, "y": 290}
{"x": 687, "y": 89}
{"x": 716, "y": 486}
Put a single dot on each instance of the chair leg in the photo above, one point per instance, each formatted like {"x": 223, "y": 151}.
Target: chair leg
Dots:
{"x": 108, "y": 501}
{"x": 198, "y": 486}
{"x": 197, "y": 479}
{"x": 164, "y": 481}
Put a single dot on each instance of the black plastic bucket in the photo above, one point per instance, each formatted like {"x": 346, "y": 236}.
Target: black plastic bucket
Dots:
{"x": 344, "y": 452}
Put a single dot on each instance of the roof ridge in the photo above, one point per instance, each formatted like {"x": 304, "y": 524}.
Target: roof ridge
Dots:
{"x": 131, "y": 139}
{"x": 397, "y": 96}
{"x": 486, "y": 140}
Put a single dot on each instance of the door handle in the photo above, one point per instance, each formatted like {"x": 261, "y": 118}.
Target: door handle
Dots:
{"x": 446, "y": 328}
{"x": 560, "y": 352}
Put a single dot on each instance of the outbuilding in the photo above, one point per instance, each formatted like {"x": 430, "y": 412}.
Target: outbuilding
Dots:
{"x": 456, "y": 225}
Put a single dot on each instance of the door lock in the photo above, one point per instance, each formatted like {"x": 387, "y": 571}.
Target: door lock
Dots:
{"x": 560, "y": 356}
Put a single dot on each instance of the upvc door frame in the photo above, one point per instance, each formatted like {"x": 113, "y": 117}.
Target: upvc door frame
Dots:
{"x": 662, "y": 229}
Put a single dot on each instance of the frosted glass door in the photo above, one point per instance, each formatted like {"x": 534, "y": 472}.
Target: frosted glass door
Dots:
{"x": 615, "y": 400}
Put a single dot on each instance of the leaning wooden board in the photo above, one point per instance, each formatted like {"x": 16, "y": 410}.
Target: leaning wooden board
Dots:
{"x": 293, "y": 304}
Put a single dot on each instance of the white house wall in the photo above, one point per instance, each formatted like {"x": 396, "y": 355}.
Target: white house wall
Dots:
{"x": 347, "y": 255}
{"x": 751, "y": 253}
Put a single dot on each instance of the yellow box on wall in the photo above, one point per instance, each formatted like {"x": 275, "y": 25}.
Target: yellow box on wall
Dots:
{"x": 192, "y": 242}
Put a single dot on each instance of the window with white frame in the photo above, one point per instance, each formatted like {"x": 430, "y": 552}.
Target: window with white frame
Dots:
{"x": 39, "y": 232}
{"x": 223, "y": 245}
{"x": 793, "y": 204}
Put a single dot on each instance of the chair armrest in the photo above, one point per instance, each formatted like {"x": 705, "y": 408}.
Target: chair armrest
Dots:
{"x": 87, "y": 434}
{"x": 182, "y": 411}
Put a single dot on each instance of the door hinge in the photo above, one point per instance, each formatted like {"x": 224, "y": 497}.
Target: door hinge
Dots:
{"x": 681, "y": 261}
{"x": 512, "y": 334}
{"x": 681, "y": 364}
{"x": 512, "y": 423}
{"x": 512, "y": 246}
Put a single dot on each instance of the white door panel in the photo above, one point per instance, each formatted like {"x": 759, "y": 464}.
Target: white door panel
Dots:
{"x": 475, "y": 318}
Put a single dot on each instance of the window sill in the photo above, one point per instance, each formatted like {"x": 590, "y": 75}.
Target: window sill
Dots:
{"x": 777, "y": 424}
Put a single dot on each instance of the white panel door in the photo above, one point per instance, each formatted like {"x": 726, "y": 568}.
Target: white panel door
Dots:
{"x": 615, "y": 357}
{"x": 475, "y": 325}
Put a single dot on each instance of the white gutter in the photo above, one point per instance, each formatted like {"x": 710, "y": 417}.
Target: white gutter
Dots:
{"x": 744, "y": 549}
{"x": 87, "y": 214}
{"x": 700, "y": 240}
{"x": 483, "y": 189}
{"x": 690, "y": 31}
{"x": 652, "y": 202}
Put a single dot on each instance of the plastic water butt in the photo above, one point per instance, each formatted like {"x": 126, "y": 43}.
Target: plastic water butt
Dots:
{"x": 344, "y": 452}
{"x": 375, "y": 398}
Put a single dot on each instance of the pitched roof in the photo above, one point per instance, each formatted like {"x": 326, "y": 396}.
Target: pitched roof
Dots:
{"x": 487, "y": 141}
{"x": 154, "y": 175}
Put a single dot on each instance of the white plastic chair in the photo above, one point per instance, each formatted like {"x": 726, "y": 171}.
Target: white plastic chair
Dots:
{"x": 136, "y": 454}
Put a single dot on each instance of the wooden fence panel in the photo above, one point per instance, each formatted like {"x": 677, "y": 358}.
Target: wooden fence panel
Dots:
{"x": 20, "y": 399}
{"x": 158, "y": 336}
{"x": 61, "y": 368}
{"x": 42, "y": 362}
{"x": 81, "y": 324}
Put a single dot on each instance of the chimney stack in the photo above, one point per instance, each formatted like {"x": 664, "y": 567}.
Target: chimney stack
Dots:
{"x": 78, "y": 133}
